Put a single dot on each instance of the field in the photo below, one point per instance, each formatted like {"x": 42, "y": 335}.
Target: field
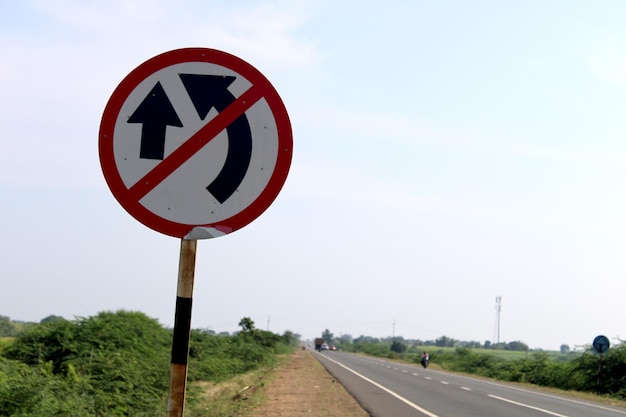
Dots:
{"x": 504, "y": 354}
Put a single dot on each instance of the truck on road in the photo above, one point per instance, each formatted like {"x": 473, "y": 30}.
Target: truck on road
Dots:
{"x": 320, "y": 344}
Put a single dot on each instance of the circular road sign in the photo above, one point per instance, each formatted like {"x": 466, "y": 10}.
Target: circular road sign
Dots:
{"x": 195, "y": 143}
{"x": 601, "y": 344}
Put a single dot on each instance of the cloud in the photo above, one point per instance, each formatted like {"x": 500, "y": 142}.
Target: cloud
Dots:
{"x": 267, "y": 31}
{"x": 62, "y": 61}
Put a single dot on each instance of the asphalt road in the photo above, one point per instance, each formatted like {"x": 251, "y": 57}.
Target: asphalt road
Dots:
{"x": 386, "y": 389}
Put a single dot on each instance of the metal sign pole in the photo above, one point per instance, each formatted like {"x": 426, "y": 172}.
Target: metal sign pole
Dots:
{"x": 598, "y": 378}
{"x": 182, "y": 329}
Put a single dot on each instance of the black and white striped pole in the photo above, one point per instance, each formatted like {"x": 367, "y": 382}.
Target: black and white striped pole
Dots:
{"x": 182, "y": 329}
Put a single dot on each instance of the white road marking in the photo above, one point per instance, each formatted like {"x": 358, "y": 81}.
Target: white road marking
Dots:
{"x": 527, "y": 406}
{"x": 569, "y": 400}
{"x": 466, "y": 389}
{"x": 387, "y": 390}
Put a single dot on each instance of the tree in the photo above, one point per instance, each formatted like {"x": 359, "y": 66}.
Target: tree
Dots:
{"x": 445, "y": 341}
{"x": 328, "y": 336}
{"x": 7, "y": 329}
{"x": 564, "y": 348}
{"x": 398, "y": 347}
{"x": 517, "y": 346}
{"x": 472, "y": 344}
{"x": 51, "y": 318}
{"x": 247, "y": 325}
{"x": 291, "y": 338}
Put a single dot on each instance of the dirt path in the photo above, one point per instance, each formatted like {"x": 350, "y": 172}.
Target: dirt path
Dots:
{"x": 303, "y": 387}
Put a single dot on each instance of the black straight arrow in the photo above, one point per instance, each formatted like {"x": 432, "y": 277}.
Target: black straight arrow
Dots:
{"x": 211, "y": 91}
{"x": 155, "y": 113}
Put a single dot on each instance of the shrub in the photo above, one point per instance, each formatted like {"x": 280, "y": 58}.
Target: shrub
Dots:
{"x": 116, "y": 364}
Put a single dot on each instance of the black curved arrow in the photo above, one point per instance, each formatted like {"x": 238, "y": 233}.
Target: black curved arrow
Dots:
{"x": 211, "y": 91}
{"x": 156, "y": 113}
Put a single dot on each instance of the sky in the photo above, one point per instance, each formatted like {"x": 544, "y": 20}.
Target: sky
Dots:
{"x": 444, "y": 154}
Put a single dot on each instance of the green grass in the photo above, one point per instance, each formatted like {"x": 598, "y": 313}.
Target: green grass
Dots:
{"x": 235, "y": 396}
{"x": 504, "y": 354}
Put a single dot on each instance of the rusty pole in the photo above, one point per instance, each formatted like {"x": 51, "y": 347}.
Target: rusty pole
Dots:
{"x": 182, "y": 329}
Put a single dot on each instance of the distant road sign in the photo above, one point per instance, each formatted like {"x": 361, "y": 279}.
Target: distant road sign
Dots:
{"x": 601, "y": 344}
{"x": 195, "y": 143}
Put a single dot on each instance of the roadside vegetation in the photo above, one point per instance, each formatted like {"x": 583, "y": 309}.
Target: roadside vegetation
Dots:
{"x": 513, "y": 362}
{"x": 117, "y": 364}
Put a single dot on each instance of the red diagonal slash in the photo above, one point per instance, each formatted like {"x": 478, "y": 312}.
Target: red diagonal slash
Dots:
{"x": 196, "y": 142}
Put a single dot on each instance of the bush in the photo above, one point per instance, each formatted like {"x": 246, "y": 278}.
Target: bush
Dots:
{"x": 35, "y": 392}
{"x": 115, "y": 364}
{"x": 119, "y": 361}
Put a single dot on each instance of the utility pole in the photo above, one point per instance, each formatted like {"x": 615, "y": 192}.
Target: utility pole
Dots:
{"x": 496, "y": 331}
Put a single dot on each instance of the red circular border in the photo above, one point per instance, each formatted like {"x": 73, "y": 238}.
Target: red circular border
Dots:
{"x": 159, "y": 62}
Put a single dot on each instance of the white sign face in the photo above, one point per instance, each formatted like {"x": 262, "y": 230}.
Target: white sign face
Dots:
{"x": 195, "y": 143}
